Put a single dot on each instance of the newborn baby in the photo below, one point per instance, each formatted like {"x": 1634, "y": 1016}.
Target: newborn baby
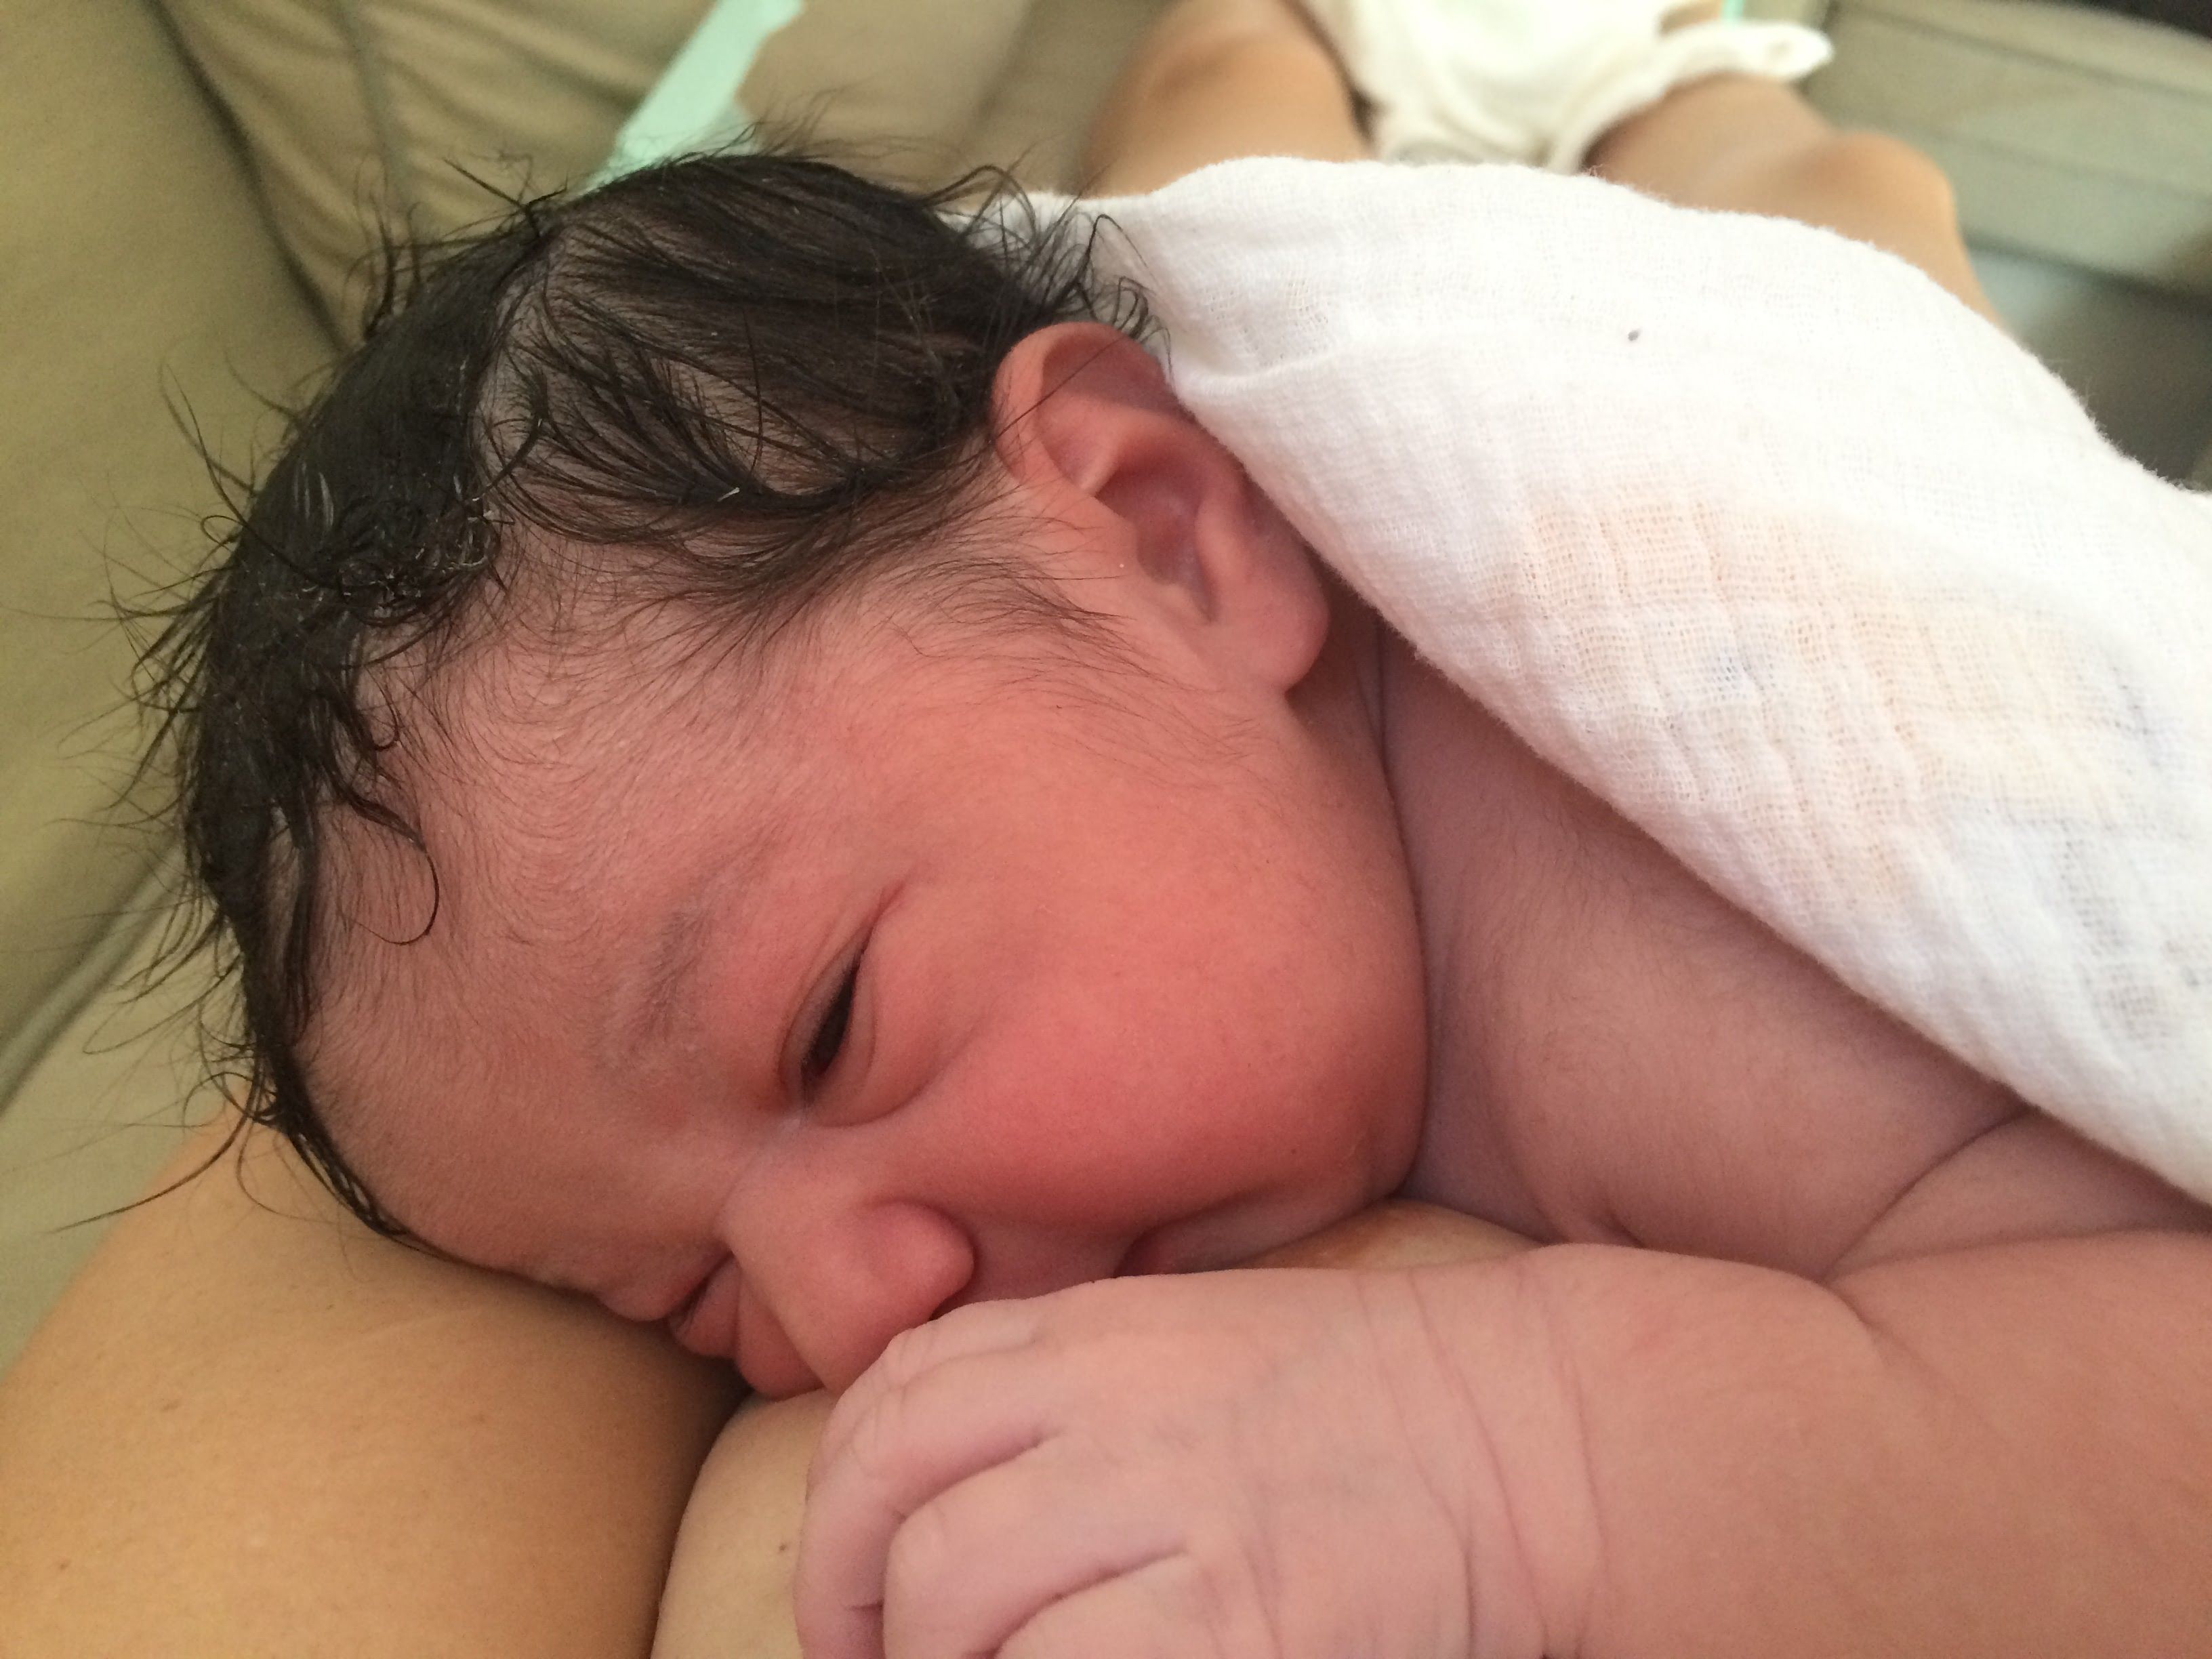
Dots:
{"x": 762, "y": 769}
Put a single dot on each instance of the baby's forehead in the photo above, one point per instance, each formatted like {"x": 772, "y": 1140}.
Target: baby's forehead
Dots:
{"x": 556, "y": 805}
{"x": 562, "y": 781}
{"x": 571, "y": 777}
{"x": 545, "y": 762}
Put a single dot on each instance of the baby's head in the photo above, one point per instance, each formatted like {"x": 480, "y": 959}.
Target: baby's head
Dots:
{"x": 752, "y": 761}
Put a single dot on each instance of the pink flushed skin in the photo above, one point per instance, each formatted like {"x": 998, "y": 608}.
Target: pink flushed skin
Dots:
{"x": 1140, "y": 983}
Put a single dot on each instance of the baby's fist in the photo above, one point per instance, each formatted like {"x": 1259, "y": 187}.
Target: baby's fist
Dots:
{"x": 1272, "y": 1464}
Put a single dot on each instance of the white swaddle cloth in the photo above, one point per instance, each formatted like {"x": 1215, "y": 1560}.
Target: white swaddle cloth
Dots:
{"x": 1774, "y": 544}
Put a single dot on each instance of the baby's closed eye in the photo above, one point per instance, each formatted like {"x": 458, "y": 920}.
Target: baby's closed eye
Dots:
{"x": 826, "y": 1027}
{"x": 830, "y": 1027}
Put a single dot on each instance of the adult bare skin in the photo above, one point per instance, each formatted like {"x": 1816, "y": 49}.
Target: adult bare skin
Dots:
{"x": 250, "y": 1427}
{"x": 729, "y": 1586}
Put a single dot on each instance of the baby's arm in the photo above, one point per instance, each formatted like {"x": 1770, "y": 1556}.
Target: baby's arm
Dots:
{"x": 2002, "y": 1450}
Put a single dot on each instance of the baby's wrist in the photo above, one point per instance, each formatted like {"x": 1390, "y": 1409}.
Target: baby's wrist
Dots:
{"x": 1482, "y": 1384}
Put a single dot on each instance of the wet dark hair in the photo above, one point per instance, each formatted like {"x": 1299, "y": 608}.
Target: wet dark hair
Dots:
{"x": 742, "y": 383}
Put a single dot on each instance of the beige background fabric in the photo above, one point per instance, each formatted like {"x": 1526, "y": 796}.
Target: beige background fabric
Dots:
{"x": 900, "y": 88}
{"x": 358, "y": 114}
{"x": 134, "y": 268}
{"x": 1035, "y": 121}
{"x": 2071, "y": 134}
{"x": 89, "y": 1127}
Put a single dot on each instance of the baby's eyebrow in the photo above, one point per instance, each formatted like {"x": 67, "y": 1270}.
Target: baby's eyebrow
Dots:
{"x": 645, "y": 1001}
{"x": 646, "y": 1013}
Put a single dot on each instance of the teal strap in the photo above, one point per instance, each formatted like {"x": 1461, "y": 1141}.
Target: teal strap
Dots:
{"x": 694, "y": 105}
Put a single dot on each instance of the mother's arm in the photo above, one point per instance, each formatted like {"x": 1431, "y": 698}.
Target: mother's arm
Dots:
{"x": 729, "y": 1588}
{"x": 249, "y": 1428}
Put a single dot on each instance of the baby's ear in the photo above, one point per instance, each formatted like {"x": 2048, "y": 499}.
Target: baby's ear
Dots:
{"x": 1087, "y": 426}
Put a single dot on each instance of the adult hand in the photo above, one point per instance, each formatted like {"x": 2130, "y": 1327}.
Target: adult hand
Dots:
{"x": 1273, "y": 1464}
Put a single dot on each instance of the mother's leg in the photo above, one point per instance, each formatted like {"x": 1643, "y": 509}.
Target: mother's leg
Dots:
{"x": 1747, "y": 145}
{"x": 1214, "y": 80}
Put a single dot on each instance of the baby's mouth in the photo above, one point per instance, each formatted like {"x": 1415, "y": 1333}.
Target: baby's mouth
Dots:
{"x": 1149, "y": 1254}
{"x": 679, "y": 1320}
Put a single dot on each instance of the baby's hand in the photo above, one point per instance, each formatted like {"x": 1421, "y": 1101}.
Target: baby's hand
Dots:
{"x": 1275, "y": 1464}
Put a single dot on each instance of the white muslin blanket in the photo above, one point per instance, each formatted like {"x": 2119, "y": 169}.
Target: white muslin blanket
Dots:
{"x": 1760, "y": 534}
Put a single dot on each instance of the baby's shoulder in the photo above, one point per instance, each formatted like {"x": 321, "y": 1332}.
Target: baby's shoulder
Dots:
{"x": 1618, "y": 1053}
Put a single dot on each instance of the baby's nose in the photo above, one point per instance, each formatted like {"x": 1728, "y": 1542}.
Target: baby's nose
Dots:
{"x": 820, "y": 1302}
